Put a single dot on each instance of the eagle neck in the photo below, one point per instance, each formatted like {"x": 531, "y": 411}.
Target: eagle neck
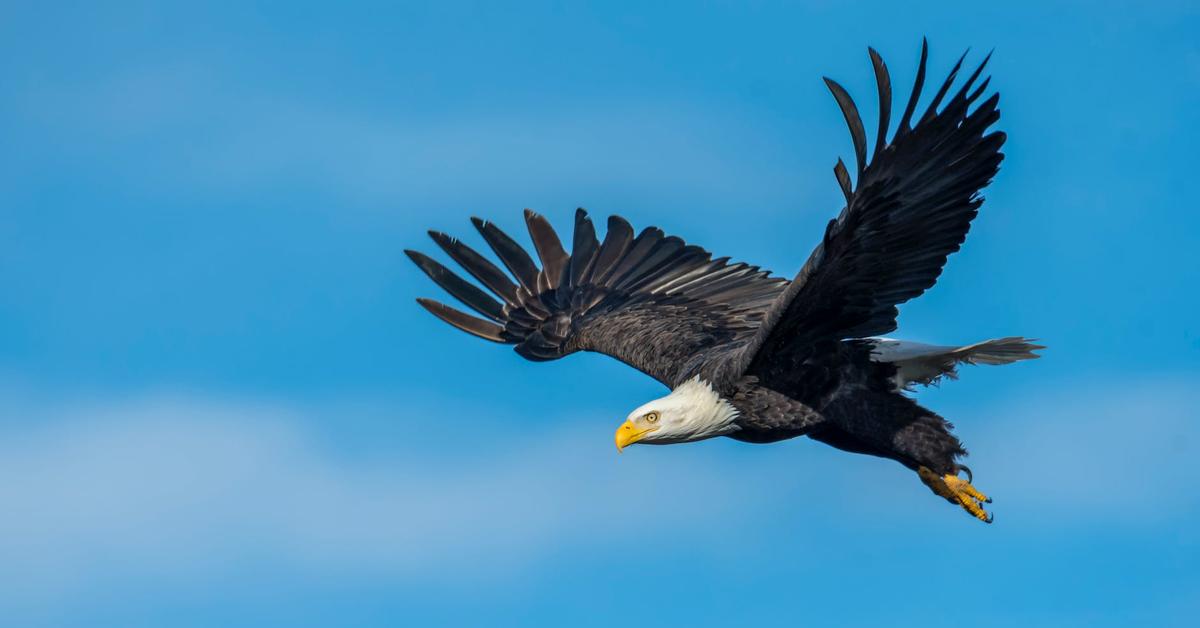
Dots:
{"x": 709, "y": 414}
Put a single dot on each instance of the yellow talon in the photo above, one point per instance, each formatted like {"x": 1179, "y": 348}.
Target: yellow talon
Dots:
{"x": 957, "y": 491}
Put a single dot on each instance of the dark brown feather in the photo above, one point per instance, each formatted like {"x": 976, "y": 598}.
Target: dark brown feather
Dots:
{"x": 918, "y": 84}
{"x": 883, "y": 84}
{"x": 463, "y": 321}
{"x": 653, "y": 302}
{"x": 477, "y": 299}
{"x": 910, "y": 208}
{"x": 549, "y": 249}
{"x": 514, "y": 258}
{"x": 850, "y": 111}
{"x": 479, "y": 267}
{"x": 583, "y": 248}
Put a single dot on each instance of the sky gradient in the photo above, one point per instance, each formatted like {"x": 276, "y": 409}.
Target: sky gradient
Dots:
{"x": 220, "y": 405}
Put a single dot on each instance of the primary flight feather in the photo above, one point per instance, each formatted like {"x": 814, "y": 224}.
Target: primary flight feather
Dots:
{"x": 759, "y": 358}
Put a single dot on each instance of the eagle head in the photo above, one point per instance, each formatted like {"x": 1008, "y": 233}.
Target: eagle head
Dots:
{"x": 693, "y": 411}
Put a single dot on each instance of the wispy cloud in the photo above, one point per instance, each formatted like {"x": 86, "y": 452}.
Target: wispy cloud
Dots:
{"x": 184, "y": 486}
{"x": 1124, "y": 450}
{"x": 177, "y": 486}
{"x": 213, "y": 127}
{"x": 1078, "y": 452}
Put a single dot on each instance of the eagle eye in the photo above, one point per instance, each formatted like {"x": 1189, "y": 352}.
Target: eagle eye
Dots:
{"x": 651, "y": 417}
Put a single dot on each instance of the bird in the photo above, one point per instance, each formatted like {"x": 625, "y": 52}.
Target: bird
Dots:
{"x": 760, "y": 358}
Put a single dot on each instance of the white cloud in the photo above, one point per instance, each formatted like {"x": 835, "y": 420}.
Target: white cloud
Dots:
{"x": 174, "y": 486}
{"x": 515, "y": 156}
{"x": 181, "y": 487}
{"x": 214, "y": 129}
{"x": 1069, "y": 454}
{"x": 1120, "y": 450}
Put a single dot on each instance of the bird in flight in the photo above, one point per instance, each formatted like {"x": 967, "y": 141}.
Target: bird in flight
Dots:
{"x": 759, "y": 358}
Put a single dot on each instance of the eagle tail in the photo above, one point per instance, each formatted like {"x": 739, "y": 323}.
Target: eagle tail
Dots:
{"x": 1000, "y": 351}
{"x": 918, "y": 363}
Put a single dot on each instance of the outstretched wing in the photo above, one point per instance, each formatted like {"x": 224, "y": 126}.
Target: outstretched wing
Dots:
{"x": 651, "y": 301}
{"x": 911, "y": 208}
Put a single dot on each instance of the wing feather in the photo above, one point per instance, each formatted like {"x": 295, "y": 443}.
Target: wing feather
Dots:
{"x": 918, "y": 85}
{"x": 479, "y": 267}
{"x": 665, "y": 307}
{"x": 477, "y": 299}
{"x": 465, "y": 322}
{"x": 617, "y": 241}
{"x": 514, "y": 258}
{"x": 910, "y": 208}
{"x": 653, "y": 302}
{"x": 549, "y": 249}
{"x": 583, "y": 248}
{"x": 857, "y": 133}
{"x": 883, "y": 84}
{"x": 641, "y": 247}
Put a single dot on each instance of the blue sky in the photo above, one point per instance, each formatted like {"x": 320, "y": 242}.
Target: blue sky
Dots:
{"x": 219, "y": 404}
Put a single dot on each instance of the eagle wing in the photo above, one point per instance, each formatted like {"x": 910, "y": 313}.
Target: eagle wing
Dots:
{"x": 651, "y": 301}
{"x": 911, "y": 208}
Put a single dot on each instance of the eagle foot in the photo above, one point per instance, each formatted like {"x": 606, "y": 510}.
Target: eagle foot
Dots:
{"x": 957, "y": 491}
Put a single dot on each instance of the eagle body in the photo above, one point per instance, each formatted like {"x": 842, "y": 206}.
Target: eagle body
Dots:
{"x": 848, "y": 400}
{"x": 759, "y": 358}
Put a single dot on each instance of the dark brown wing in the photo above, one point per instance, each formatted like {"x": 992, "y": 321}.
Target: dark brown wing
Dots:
{"x": 912, "y": 207}
{"x": 651, "y": 301}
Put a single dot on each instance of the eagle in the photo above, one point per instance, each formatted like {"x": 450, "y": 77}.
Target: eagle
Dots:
{"x": 758, "y": 358}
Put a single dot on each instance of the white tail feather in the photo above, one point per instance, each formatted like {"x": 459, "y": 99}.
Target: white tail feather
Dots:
{"x": 918, "y": 363}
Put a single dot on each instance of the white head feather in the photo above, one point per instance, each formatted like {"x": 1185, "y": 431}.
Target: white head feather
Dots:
{"x": 693, "y": 411}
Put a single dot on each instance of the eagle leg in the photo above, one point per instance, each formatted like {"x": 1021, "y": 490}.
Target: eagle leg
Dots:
{"x": 957, "y": 491}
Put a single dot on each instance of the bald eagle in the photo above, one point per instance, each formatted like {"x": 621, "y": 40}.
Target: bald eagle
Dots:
{"x": 758, "y": 358}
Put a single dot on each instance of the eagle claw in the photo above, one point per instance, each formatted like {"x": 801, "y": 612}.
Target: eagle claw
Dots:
{"x": 957, "y": 491}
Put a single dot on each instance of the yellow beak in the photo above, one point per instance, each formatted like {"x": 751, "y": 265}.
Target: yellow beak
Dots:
{"x": 629, "y": 434}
